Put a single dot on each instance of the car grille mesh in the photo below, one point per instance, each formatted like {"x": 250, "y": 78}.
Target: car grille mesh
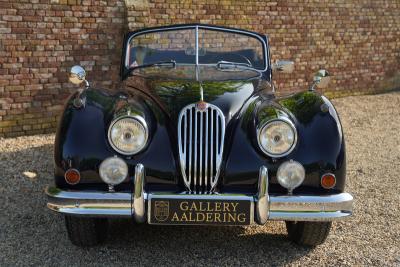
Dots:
{"x": 201, "y": 142}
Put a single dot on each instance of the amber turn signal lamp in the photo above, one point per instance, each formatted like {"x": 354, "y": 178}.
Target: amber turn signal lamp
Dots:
{"x": 72, "y": 176}
{"x": 328, "y": 180}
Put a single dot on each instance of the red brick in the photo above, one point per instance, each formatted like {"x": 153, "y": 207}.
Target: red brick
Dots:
{"x": 12, "y": 18}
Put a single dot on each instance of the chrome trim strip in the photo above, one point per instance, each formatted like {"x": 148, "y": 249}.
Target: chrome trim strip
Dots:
{"x": 216, "y": 28}
{"x": 311, "y": 208}
{"x": 89, "y": 210}
{"x": 262, "y": 198}
{"x": 139, "y": 209}
{"x": 55, "y": 193}
{"x": 185, "y": 195}
{"x": 342, "y": 201}
{"x": 309, "y": 216}
{"x": 89, "y": 203}
{"x": 219, "y": 146}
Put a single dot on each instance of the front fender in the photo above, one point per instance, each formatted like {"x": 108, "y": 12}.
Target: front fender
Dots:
{"x": 320, "y": 144}
{"x": 82, "y": 142}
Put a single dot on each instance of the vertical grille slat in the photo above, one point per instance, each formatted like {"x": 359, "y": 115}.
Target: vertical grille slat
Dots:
{"x": 190, "y": 146}
{"x": 195, "y": 150}
{"x": 212, "y": 146}
{"x": 206, "y": 153}
{"x": 201, "y": 149}
{"x": 216, "y": 143}
{"x": 201, "y": 138}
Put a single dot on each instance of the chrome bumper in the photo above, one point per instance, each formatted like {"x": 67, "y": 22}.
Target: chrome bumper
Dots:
{"x": 267, "y": 207}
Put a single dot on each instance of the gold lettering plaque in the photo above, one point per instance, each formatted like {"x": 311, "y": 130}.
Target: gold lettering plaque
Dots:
{"x": 200, "y": 211}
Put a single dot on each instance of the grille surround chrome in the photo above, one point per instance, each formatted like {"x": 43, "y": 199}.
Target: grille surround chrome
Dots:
{"x": 208, "y": 138}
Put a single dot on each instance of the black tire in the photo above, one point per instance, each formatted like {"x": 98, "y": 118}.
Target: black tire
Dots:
{"x": 308, "y": 233}
{"x": 86, "y": 232}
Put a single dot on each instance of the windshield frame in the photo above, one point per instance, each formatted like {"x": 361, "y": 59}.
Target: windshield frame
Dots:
{"x": 261, "y": 38}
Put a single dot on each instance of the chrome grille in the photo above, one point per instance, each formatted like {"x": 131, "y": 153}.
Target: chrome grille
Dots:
{"x": 201, "y": 130}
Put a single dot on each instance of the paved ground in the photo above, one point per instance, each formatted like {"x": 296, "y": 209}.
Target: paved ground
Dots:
{"x": 31, "y": 235}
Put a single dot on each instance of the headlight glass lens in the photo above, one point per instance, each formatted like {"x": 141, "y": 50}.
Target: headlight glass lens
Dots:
{"x": 290, "y": 174}
{"x": 277, "y": 138}
{"x": 128, "y": 136}
{"x": 113, "y": 170}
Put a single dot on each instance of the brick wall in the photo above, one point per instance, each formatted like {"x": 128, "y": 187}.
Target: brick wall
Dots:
{"x": 39, "y": 42}
{"x": 357, "y": 41}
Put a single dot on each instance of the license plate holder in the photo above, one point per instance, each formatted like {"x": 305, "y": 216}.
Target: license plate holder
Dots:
{"x": 200, "y": 209}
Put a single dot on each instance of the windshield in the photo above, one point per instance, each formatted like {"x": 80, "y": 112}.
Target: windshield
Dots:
{"x": 225, "y": 49}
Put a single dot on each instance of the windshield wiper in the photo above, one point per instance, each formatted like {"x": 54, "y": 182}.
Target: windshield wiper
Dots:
{"x": 227, "y": 66}
{"x": 167, "y": 64}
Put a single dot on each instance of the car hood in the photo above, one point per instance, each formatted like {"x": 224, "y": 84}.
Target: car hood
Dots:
{"x": 173, "y": 96}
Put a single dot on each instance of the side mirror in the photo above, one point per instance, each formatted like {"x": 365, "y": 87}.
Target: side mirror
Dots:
{"x": 284, "y": 66}
{"x": 321, "y": 79}
{"x": 77, "y": 75}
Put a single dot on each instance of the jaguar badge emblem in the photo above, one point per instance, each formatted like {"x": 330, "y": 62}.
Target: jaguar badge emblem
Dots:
{"x": 201, "y": 106}
{"x": 161, "y": 210}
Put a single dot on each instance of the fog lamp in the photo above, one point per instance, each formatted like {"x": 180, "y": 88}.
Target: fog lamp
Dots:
{"x": 113, "y": 170}
{"x": 290, "y": 175}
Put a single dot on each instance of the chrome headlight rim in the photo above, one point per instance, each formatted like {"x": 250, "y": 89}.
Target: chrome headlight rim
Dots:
{"x": 138, "y": 119}
{"x": 280, "y": 119}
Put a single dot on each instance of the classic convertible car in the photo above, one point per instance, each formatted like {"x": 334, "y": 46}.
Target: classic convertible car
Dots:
{"x": 195, "y": 135}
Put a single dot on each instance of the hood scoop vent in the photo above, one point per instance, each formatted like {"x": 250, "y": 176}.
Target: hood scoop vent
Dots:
{"x": 201, "y": 132}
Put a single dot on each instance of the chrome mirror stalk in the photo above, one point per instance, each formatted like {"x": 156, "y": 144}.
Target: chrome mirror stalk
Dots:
{"x": 321, "y": 80}
{"x": 79, "y": 101}
{"x": 284, "y": 66}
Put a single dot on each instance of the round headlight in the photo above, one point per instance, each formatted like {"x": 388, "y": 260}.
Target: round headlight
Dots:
{"x": 128, "y": 135}
{"x": 113, "y": 170}
{"x": 290, "y": 174}
{"x": 277, "y": 138}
